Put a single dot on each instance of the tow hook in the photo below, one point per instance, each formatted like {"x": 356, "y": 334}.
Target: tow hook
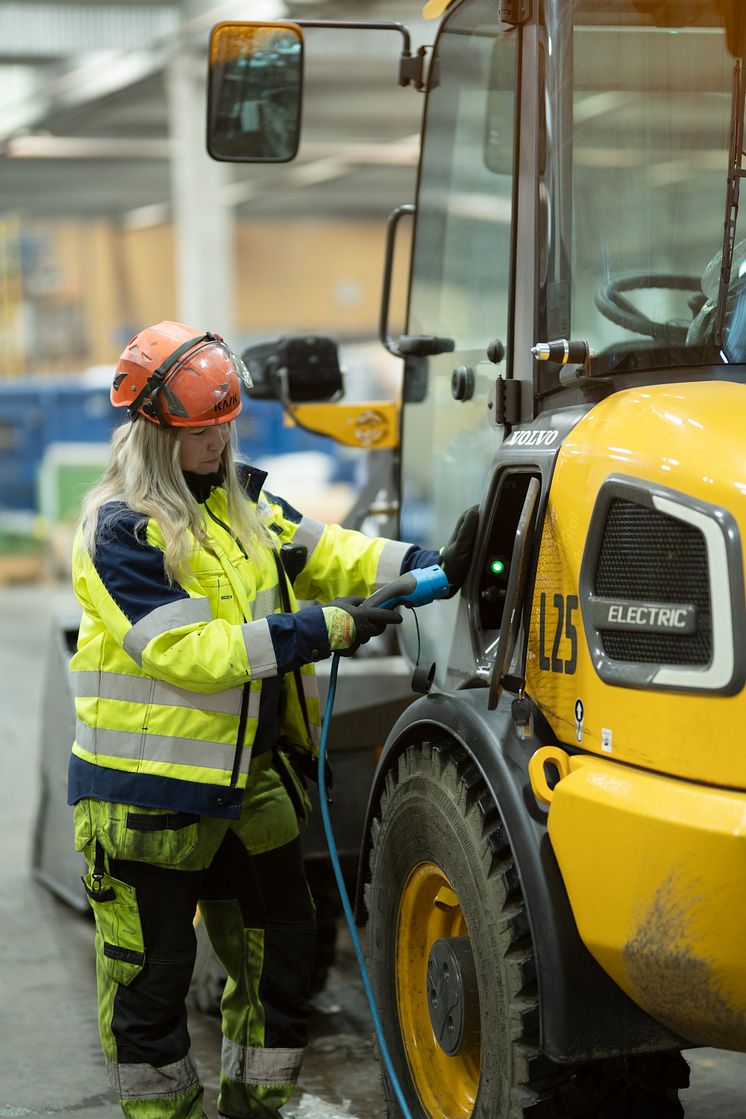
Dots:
{"x": 546, "y": 769}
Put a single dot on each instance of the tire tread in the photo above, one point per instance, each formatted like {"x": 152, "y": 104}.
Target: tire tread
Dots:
{"x": 638, "y": 1087}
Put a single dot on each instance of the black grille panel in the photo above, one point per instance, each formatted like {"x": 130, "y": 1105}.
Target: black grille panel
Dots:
{"x": 647, "y": 556}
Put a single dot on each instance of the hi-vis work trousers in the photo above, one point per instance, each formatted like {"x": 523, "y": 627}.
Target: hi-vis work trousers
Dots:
{"x": 258, "y": 913}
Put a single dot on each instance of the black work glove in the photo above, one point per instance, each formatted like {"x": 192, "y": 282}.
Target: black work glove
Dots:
{"x": 367, "y": 622}
{"x": 455, "y": 557}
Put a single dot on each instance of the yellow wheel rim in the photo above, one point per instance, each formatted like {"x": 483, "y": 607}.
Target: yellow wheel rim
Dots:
{"x": 429, "y": 910}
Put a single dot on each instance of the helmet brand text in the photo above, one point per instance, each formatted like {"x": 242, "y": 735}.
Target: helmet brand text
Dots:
{"x": 227, "y": 403}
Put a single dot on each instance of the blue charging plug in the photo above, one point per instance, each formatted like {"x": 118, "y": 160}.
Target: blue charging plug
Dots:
{"x": 418, "y": 587}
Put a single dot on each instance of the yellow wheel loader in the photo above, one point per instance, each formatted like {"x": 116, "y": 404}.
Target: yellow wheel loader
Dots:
{"x": 554, "y": 857}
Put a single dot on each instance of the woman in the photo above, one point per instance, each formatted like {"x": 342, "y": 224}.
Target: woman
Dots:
{"x": 196, "y": 708}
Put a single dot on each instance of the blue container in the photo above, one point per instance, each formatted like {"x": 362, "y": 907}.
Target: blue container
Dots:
{"x": 36, "y": 412}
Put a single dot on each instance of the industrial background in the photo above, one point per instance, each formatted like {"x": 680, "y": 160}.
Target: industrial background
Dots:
{"x": 111, "y": 217}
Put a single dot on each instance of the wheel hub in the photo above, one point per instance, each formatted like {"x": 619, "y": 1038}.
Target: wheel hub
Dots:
{"x": 452, "y": 994}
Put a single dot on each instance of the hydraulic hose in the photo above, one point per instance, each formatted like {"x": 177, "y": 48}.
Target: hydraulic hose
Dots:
{"x": 414, "y": 588}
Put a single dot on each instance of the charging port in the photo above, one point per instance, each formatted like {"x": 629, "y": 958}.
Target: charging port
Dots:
{"x": 493, "y": 583}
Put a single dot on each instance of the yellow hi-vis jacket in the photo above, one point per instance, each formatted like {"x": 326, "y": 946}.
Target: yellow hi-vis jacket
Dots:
{"x": 168, "y": 676}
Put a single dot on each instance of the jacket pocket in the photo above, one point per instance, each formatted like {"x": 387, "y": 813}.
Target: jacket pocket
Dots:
{"x": 220, "y": 594}
{"x": 119, "y": 941}
{"x": 215, "y": 585}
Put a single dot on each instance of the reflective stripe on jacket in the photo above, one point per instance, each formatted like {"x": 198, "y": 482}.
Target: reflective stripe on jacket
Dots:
{"x": 168, "y": 676}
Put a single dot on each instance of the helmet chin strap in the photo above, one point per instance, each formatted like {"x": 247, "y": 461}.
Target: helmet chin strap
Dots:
{"x": 158, "y": 379}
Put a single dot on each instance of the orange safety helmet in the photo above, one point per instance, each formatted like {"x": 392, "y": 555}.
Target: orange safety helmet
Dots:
{"x": 176, "y": 377}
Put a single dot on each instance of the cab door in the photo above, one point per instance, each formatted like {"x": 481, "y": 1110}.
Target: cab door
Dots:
{"x": 460, "y": 286}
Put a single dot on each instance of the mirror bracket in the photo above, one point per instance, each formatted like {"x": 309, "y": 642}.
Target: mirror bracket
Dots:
{"x": 412, "y": 69}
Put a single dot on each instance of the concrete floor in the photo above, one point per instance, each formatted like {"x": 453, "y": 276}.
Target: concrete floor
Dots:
{"x": 50, "y": 1062}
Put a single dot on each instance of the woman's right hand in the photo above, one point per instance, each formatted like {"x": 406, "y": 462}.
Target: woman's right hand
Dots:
{"x": 350, "y": 623}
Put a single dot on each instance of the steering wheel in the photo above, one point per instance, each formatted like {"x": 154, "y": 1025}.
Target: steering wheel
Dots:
{"x": 612, "y": 303}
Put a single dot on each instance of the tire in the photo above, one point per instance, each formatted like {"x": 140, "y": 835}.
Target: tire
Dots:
{"x": 442, "y": 873}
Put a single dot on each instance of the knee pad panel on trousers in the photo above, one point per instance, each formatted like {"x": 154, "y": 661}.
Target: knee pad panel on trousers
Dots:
{"x": 149, "y": 1020}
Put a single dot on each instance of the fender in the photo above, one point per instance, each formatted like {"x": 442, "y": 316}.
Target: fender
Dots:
{"x": 583, "y": 1014}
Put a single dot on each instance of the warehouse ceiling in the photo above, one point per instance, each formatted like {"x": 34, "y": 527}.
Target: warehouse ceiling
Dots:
{"x": 86, "y": 109}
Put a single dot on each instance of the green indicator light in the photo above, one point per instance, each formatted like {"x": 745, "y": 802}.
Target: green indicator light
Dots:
{"x": 497, "y": 567}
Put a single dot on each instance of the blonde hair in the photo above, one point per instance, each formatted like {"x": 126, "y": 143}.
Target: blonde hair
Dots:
{"x": 144, "y": 472}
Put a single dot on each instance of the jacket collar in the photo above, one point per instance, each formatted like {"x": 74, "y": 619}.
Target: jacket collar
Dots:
{"x": 251, "y": 478}
{"x": 201, "y": 485}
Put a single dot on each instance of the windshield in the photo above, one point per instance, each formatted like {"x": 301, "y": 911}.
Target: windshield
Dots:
{"x": 637, "y": 108}
{"x": 461, "y": 267}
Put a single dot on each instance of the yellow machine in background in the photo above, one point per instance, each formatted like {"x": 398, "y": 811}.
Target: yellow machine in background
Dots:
{"x": 553, "y": 858}
{"x": 372, "y": 426}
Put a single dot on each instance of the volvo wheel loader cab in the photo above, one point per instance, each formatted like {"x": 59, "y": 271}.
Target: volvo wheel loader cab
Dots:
{"x": 554, "y": 849}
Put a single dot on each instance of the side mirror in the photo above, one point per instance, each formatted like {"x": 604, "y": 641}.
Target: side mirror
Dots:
{"x": 295, "y": 370}
{"x": 254, "y": 92}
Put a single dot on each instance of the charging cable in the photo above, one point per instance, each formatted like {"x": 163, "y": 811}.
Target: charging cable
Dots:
{"x": 414, "y": 588}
